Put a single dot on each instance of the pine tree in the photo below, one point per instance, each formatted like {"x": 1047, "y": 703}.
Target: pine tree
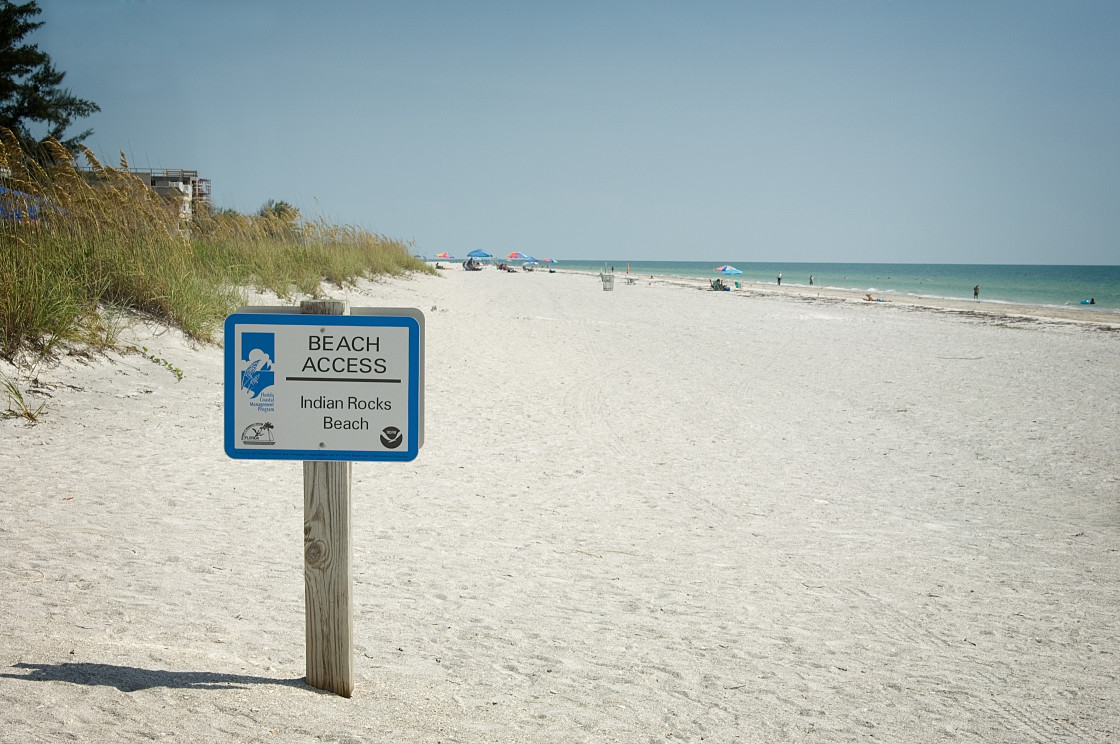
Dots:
{"x": 29, "y": 84}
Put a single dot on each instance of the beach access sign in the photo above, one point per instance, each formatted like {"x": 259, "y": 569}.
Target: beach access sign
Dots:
{"x": 324, "y": 387}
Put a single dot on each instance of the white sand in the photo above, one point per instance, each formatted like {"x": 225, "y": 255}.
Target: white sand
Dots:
{"x": 652, "y": 514}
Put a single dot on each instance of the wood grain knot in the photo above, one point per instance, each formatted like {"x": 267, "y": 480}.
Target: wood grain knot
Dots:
{"x": 315, "y": 552}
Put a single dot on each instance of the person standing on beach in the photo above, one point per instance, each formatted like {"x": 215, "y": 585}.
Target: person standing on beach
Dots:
{"x": 976, "y": 292}
{"x": 810, "y": 280}
{"x": 779, "y": 278}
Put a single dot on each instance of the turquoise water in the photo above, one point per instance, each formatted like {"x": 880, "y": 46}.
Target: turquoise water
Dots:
{"x": 1027, "y": 285}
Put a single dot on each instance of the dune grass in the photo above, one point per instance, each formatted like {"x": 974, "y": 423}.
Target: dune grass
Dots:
{"x": 106, "y": 242}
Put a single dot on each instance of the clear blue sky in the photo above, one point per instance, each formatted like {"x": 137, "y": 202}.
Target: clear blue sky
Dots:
{"x": 883, "y": 131}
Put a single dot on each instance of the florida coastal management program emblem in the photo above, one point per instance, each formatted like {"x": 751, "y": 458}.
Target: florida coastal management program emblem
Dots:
{"x": 257, "y": 376}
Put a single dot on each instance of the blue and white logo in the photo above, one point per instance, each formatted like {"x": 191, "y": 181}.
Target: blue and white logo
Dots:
{"x": 256, "y": 370}
{"x": 258, "y": 355}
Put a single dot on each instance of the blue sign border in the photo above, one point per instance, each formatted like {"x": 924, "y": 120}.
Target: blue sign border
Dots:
{"x": 284, "y": 319}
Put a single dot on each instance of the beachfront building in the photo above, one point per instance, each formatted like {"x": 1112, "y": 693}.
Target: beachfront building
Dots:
{"x": 183, "y": 184}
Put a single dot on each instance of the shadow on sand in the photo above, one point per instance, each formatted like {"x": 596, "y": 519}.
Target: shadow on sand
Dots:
{"x": 131, "y": 679}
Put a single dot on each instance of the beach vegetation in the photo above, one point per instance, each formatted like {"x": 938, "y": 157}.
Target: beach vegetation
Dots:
{"x": 143, "y": 351}
{"x": 84, "y": 248}
{"x": 17, "y": 405}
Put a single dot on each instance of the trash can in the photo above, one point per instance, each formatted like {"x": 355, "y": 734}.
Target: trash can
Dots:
{"x": 608, "y": 282}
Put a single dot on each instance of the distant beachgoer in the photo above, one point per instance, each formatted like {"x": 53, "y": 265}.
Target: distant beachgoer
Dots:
{"x": 779, "y": 278}
{"x": 976, "y": 292}
{"x": 869, "y": 298}
{"x": 1092, "y": 301}
{"x": 810, "y": 280}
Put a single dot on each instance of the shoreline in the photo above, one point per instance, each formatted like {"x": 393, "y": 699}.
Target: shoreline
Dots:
{"x": 1081, "y": 314}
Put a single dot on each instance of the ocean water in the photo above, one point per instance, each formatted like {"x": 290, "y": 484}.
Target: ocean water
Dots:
{"x": 1064, "y": 286}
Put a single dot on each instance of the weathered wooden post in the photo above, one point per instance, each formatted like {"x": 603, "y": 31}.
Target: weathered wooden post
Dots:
{"x": 328, "y": 588}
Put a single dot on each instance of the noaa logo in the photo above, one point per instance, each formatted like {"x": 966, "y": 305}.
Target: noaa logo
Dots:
{"x": 258, "y": 434}
{"x": 391, "y": 437}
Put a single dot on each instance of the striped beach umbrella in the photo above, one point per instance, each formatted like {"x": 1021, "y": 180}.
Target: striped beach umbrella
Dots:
{"x": 444, "y": 255}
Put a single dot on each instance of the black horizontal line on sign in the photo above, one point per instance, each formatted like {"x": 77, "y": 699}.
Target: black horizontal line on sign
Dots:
{"x": 339, "y": 379}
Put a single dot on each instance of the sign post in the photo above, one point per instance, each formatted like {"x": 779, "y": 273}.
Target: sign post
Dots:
{"x": 328, "y": 389}
{"x": 328, "y": 586}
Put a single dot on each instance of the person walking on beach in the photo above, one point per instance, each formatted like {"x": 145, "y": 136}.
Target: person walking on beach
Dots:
{"x": 976, "y": 292}
{"x": 810, "y": 280}
{"x": 779, "y": 278}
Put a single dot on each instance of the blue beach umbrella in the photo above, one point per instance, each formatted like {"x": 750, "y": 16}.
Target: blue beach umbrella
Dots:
{"x": 479, "y": 253}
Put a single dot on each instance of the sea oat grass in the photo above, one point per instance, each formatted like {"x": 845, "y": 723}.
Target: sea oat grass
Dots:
{"x": 17, "y": 405}
{"x": 104, "y": 239}
{"x": 40, "y": 301}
